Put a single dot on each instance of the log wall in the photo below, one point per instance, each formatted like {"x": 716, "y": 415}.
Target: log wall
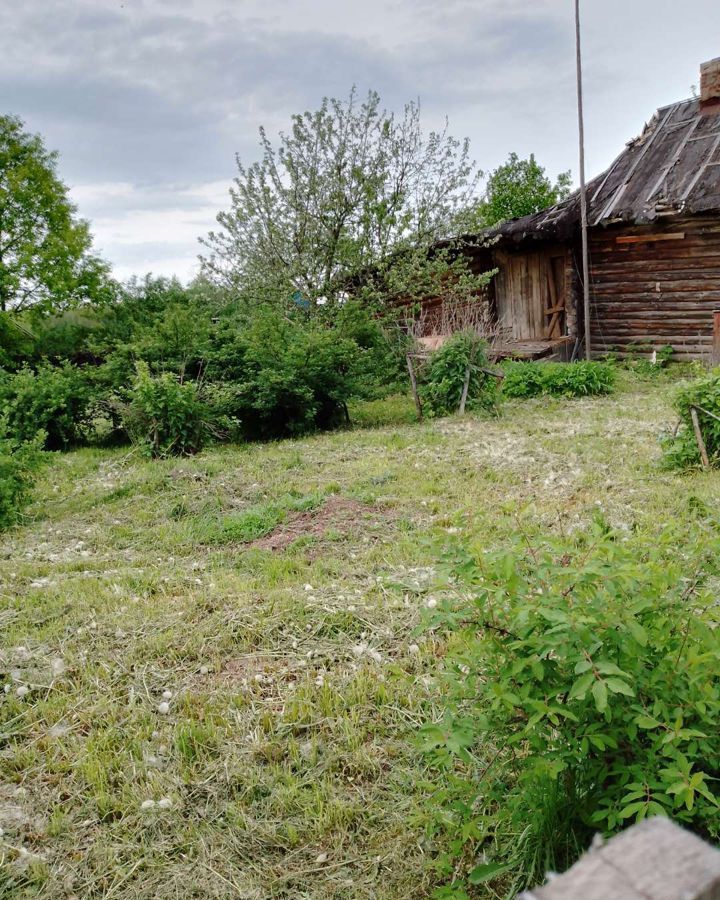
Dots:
{"x": 654, "y": 285}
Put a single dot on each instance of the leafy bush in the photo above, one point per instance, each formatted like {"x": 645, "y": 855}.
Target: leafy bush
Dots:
{"x": 287, "y": 376}
{"x": 52, "y": 399}
{"x": 443, "y": 379}
{"x": 19, "y": 461}
{"x": 681, "y": 449}
{"x": 578, "y": 379}
{"x": 648, "y": 361}
{"x": 578, "y": 698}
{"x": 166, "y": 417}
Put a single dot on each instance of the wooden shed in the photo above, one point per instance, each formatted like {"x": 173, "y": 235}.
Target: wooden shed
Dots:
{"x": 654, "y": 246}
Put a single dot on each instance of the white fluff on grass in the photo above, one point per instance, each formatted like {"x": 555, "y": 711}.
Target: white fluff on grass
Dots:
{"x": 163, "y": 708}
{"x": 58, "y": 667}
{"x": 167, "y": 695}
{"x": 165, "y": 803}
{"x": 147, "y": 804}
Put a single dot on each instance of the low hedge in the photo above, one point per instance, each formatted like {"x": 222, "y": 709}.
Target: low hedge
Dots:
{"x": 577, "y": 379}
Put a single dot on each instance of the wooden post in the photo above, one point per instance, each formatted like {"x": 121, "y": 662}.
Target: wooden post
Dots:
{"x": 699, "y": 438}
{"x": 715, "y": 359}
{"x": 413, "y": 385}
{"x": 466, "y": 388}
{"x": 583, "y": 191}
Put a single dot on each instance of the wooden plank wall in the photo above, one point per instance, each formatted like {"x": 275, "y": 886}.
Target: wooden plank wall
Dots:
{"x": 522, "y": 292}
{"x": 655, "y": 285}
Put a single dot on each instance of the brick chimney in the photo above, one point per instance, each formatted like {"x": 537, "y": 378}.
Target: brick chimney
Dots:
{"x": 710, "y": 87}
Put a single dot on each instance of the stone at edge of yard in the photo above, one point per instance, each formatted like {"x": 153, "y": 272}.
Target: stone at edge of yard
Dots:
{"x": 654, "y": 860}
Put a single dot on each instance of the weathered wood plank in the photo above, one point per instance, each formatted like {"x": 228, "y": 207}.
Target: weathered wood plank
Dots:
{"x": 649, "y": 238}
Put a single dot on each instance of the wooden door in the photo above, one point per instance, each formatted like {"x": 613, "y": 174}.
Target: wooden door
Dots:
{"x": 531, "y": 292}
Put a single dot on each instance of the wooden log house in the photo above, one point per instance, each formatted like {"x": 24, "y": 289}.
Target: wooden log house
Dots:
{"x": 654, "y": 247}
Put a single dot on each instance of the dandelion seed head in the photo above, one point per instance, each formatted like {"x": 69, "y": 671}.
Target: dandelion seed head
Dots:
{"x": 163, "y": 708}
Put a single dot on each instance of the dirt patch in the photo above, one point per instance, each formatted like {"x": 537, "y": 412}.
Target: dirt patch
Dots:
{"x": 337, "y": 513}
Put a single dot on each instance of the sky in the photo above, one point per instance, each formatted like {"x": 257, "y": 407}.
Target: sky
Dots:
{"x": 148, "y": 101}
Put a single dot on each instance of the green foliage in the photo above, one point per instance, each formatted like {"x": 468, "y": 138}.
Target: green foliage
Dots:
{"x": 19, "y": 461}
{"x": 517, "y": 188}
{"x": 681, "y": 449}
{"x": 647, "y": 361}
{"x": 578, "y": 694}
{"x": 45, "y": 258}
{"x": 290, "y": 375}
{"x": 344, "y": 190}
{"x": 52, "y": 399}
{"x": 166, "y": 417}
{"x": 443, "y": 379}
{"x": 578, "y": 379}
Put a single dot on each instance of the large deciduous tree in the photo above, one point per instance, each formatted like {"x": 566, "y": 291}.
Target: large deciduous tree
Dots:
{"x": 348, "y": 189}
{"x": 520, "y": 187}
{"x": 45, "y": 258}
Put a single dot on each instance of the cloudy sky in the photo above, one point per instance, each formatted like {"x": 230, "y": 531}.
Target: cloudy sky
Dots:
{"x": 148, "y": 100}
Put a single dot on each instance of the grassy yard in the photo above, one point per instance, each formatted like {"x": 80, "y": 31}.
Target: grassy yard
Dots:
{"x": 224, "y": 674}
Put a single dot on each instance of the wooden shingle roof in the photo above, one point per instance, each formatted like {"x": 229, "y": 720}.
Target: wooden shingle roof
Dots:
{"x": 672, "y": 168}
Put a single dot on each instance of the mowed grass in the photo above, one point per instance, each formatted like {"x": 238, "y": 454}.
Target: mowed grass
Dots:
{"x": 284, "y": 762}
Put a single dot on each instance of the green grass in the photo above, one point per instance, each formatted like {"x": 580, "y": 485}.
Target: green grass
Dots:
{"x": 287, "y": 755}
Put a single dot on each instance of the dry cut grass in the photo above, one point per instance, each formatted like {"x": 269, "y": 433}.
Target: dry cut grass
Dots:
{"x": 212, "y": 675}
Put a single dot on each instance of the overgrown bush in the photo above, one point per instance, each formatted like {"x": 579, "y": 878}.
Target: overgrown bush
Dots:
{"x": 443, "y": 379}
{"x": 681, "y": 449}
{"x": 52, "y": 399}
{"x": 166, "y": 417}
{"x": 19, "y": 461}
{"x": 578, "y": 379}
{"x": 578, "y": 699}
{"x": 287, "y": 375}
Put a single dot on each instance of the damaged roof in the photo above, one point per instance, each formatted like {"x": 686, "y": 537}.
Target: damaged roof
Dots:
{"x": 672, "y": 168}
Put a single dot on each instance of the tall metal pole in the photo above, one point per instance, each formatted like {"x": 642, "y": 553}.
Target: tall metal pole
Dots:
{"x": 583, "y": 193}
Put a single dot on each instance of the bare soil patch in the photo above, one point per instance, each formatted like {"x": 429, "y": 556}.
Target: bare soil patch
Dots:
{"x": 340, "y": 514}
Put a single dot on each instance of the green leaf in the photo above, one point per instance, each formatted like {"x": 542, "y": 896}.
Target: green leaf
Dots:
{"x": 599, "y": 692}
{"x": 485, "y": 872}
{"x": 647, "y": 722}
{"x": 581, "y": 686}
{"x": 619, "y": 687}
{"x": 631, "y": 810}
{"x": 638, "y": 632}
{"x": 608, "y": 668}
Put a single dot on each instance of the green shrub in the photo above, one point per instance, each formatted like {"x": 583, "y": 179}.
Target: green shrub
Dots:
{"x": 52, "y": 399}
{"x": 443, "y": 379}
{"x": 166, "y": 417}
{"x": 19, "y": 461}
{"x": 681, "y": 449}
{"x": 287, "y": 376}
{"x": 654, "y": 361}
{"x": 578, "y": 379}
{"x": 578, "y": 697}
